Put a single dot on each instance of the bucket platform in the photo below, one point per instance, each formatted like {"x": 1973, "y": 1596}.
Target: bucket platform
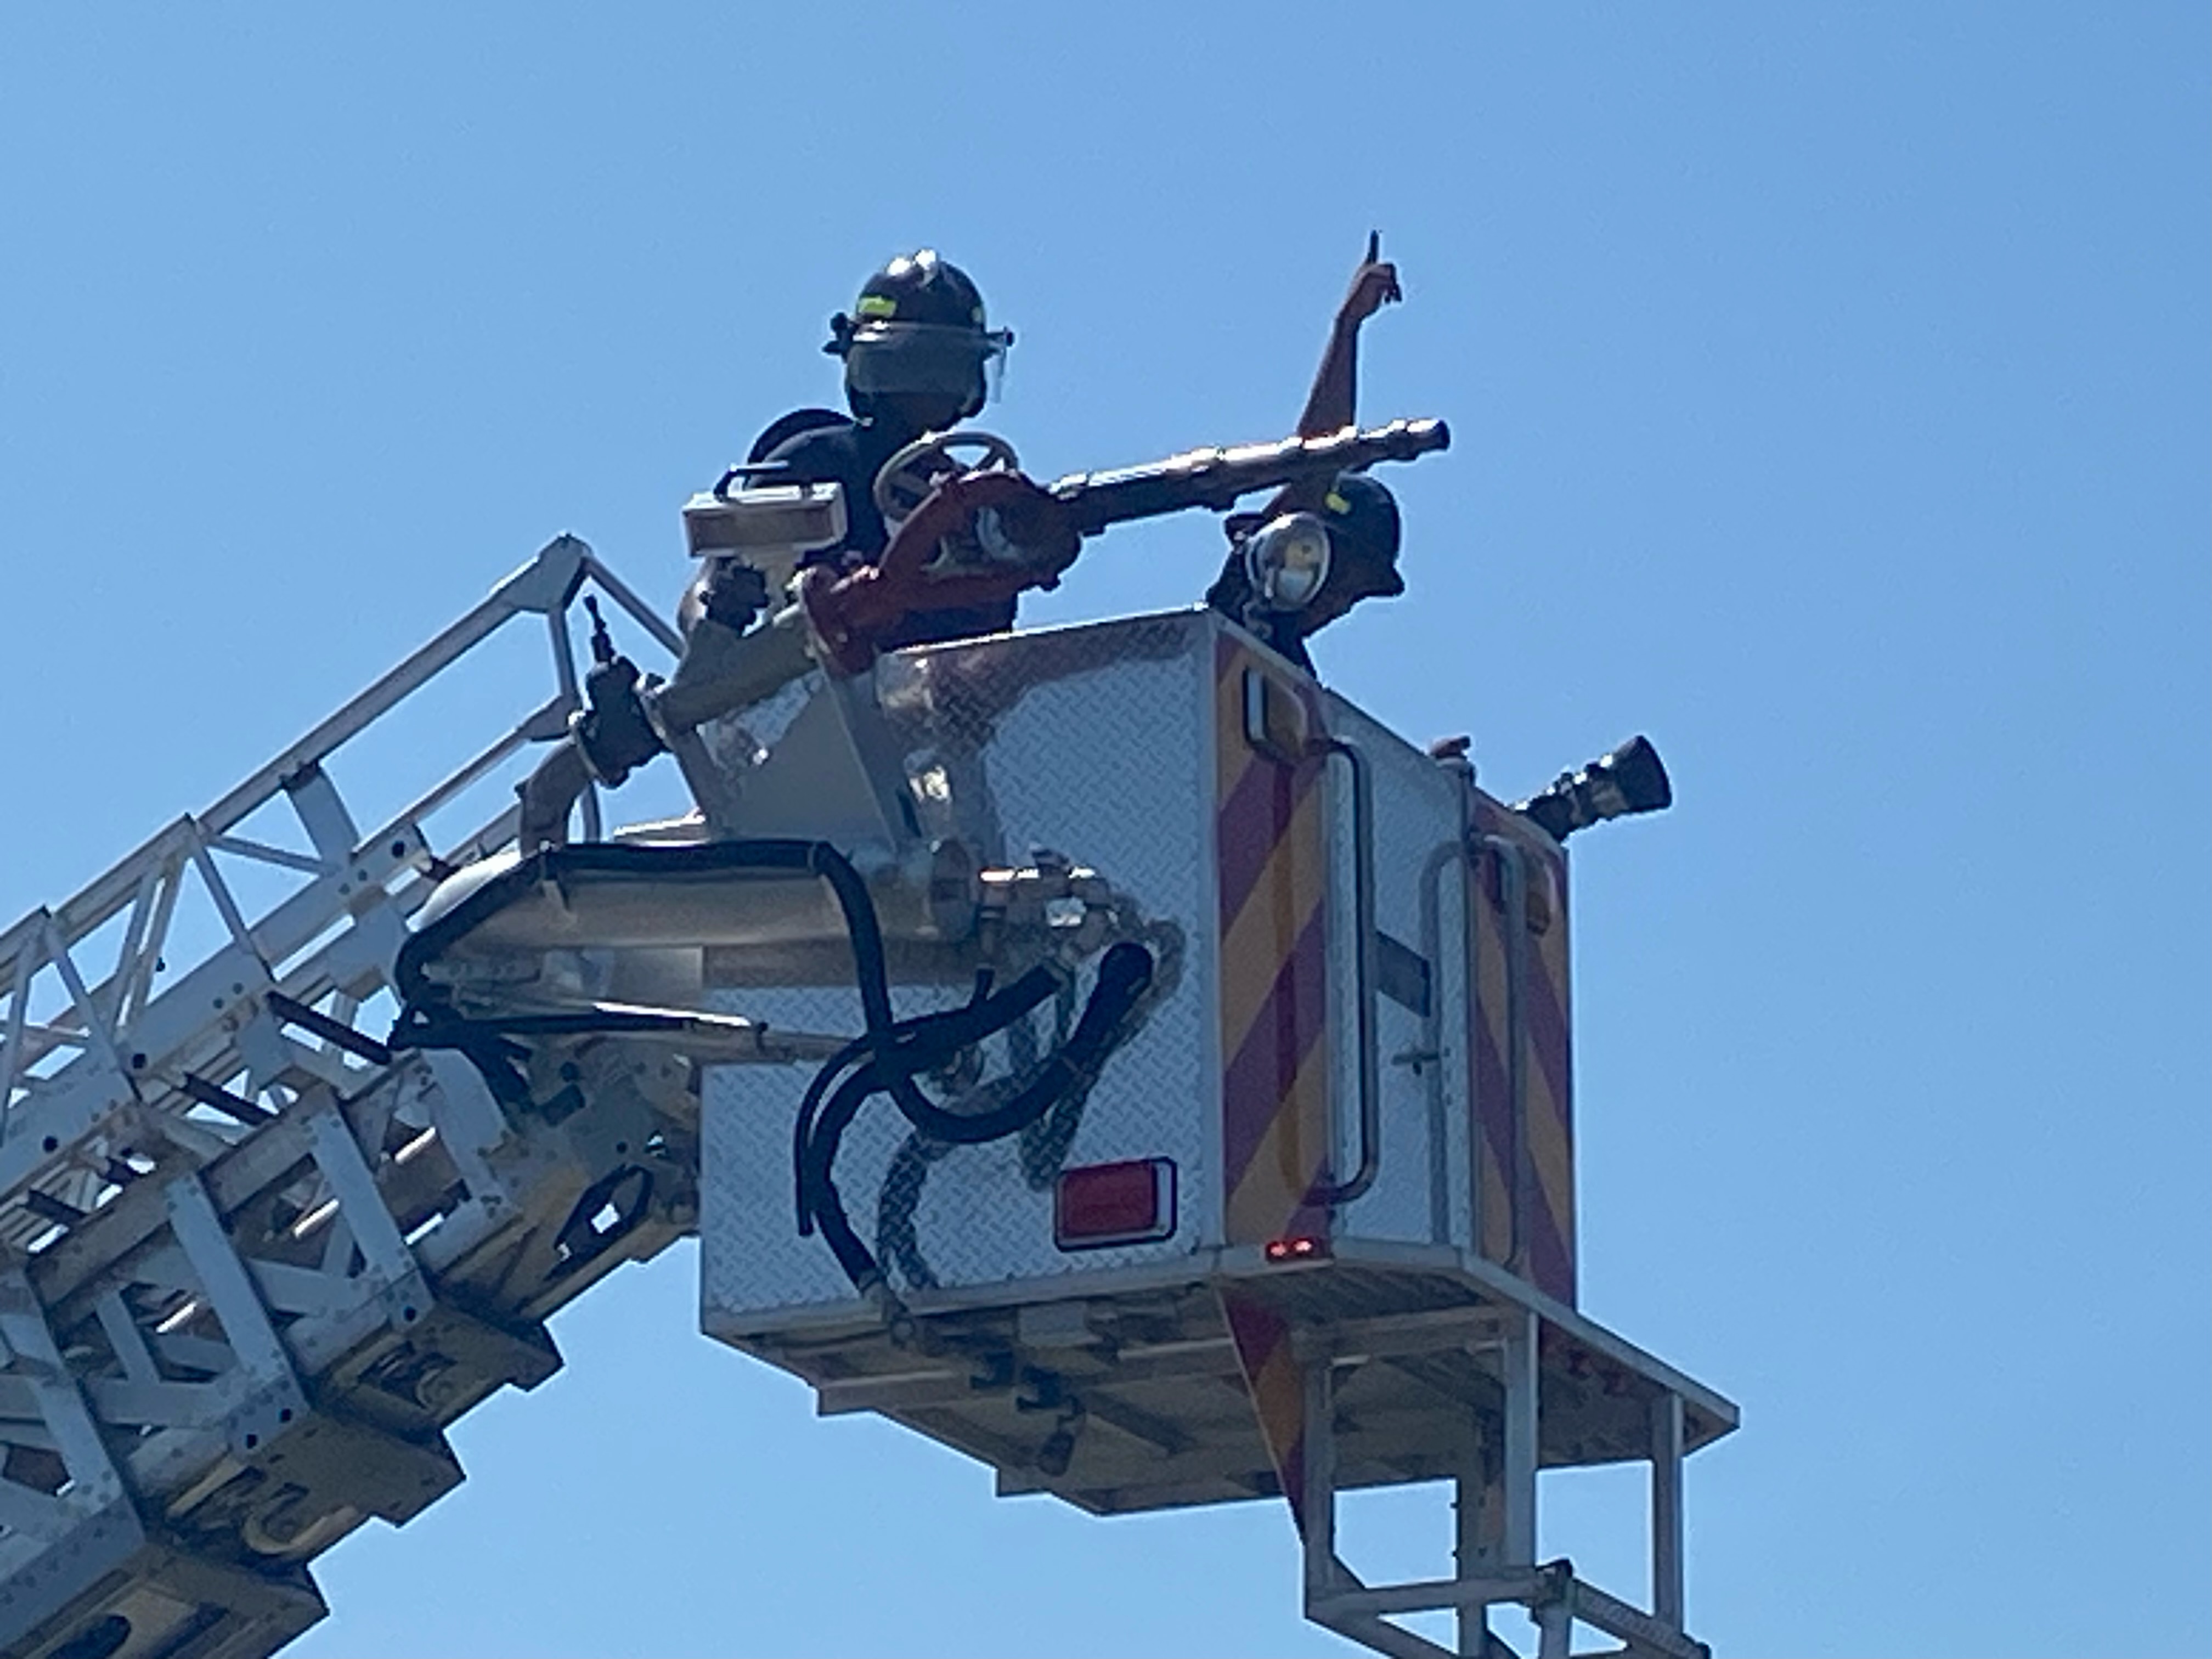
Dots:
{"x": 1312, "y": 1227}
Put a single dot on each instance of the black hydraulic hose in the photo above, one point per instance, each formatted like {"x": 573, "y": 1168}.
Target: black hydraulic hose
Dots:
{"x": 427, "y": 1022}
{"x": 923, "y": 1043}
{"x": 871, "y": 973}
{"x": 935, "y": 1038}
{"x": 802, "y": 1126}
{"x": 819, "y": 1184}
{"x": 1124, "y": 973}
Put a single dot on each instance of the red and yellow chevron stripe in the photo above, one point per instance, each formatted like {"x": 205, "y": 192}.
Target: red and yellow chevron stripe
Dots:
{"x": 1524, "y": 1163}
{"x": 1273, "y": 882}
{"x": 1277, "y": 1385}
{"x": 1275, "y": 1120}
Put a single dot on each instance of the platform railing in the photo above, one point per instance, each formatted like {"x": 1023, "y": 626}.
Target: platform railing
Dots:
{"x": 1495, "y": 1503}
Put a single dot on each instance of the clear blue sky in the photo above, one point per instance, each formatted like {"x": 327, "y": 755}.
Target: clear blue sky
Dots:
{"x": 1831, "y": 397}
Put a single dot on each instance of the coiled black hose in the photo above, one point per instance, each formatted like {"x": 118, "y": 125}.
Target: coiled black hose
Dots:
{"x": 922, "y": 1044}
{"x": 1124, "y": 973}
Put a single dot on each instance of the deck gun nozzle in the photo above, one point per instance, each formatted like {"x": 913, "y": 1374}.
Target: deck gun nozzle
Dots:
{"x": 1630, "y": 780}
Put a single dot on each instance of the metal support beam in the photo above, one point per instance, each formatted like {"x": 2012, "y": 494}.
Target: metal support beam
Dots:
{"x": 1494, "y": 1542}
{"x": 1317, "y": 1502}
{"x": 1667, "y": 1509}
{"x": 1478, "y": 1538}
{"x": 1555, "y": 1628}
{"x": 1518, "y": 1363}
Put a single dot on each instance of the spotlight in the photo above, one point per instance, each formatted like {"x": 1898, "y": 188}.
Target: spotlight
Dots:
{"x": 1287, "y": 561}
{"x": 1629, "y": 781}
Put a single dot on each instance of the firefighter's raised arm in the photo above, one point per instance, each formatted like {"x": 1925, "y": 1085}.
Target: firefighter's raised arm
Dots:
{"x": 1360, "y": 514}
{"x": 1333, "y": 402}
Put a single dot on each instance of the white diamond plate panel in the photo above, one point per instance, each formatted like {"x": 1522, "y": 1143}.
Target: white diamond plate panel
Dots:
{"x": 1093, "y": 743}
{"x": 1096, "y": 743}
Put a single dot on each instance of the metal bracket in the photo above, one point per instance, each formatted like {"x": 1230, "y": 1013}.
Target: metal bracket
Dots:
{"x": 65, "y": 1519}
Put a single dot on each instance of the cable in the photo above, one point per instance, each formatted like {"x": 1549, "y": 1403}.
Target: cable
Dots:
{"x": 802, "y": 1126}
{"x": 1124, "y": 973}
{"x": 427, "y": 1019}
{"x": 922, "y": 1043}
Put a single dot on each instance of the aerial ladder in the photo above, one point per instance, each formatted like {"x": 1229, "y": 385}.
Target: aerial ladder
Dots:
{"x": 1097, "y": 1048}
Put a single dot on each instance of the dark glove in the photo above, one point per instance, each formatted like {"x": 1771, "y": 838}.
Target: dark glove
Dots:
{"x": 735, "y": 594}
{"x": 614, "y": 734}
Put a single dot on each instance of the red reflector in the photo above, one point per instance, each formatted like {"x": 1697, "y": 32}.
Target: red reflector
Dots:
{"x": 1295, "y": 1250}
{"x": 1103, "y": 1204}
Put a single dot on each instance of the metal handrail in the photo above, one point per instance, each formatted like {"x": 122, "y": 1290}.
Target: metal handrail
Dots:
{"x": 1335, "y": 1194}
{"x": 1513, "y": 866}
{"x": 1442, "y": 857}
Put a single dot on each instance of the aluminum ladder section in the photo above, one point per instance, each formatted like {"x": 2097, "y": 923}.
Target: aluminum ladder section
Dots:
{"x": 251, "y": 1263}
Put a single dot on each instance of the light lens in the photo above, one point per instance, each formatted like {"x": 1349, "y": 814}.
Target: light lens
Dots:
{"x": 1296, "y": 1249}
{"x": 1287, "y": 560}
{"x": 1106, "y": 1204}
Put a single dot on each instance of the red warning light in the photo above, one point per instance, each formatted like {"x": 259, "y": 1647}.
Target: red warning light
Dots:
{"x": 1104, "y": 1204}
{"x": 1295, "y": 1250}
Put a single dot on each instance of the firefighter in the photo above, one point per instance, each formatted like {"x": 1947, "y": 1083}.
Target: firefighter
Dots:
{"x": 918, "y": 354}
{"x": 1360, "y": 514}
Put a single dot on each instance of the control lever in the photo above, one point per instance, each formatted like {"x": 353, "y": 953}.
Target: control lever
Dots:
{"x": 613, "y": 733}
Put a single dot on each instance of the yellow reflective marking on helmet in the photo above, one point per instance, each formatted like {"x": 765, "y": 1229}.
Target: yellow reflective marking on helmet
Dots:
{"x": 877, "y": 305}
{"x": 1335, "y": 503}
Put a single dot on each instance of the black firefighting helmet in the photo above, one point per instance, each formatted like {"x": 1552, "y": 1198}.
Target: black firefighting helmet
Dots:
{"x": 918, "y": 329}
{"x": 1362, "y": 517}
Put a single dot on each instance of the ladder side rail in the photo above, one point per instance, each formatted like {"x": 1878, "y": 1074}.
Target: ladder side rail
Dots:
{"x": 149, "y": 880}
{"x": 521, "y": 593}
{"x": 545, "y": 585}
{"x": 101, "y": 900}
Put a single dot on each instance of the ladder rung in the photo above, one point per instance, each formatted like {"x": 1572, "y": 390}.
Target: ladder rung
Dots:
{"x": 357, "y": 1043}
{"x": 248, "y": 1112}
